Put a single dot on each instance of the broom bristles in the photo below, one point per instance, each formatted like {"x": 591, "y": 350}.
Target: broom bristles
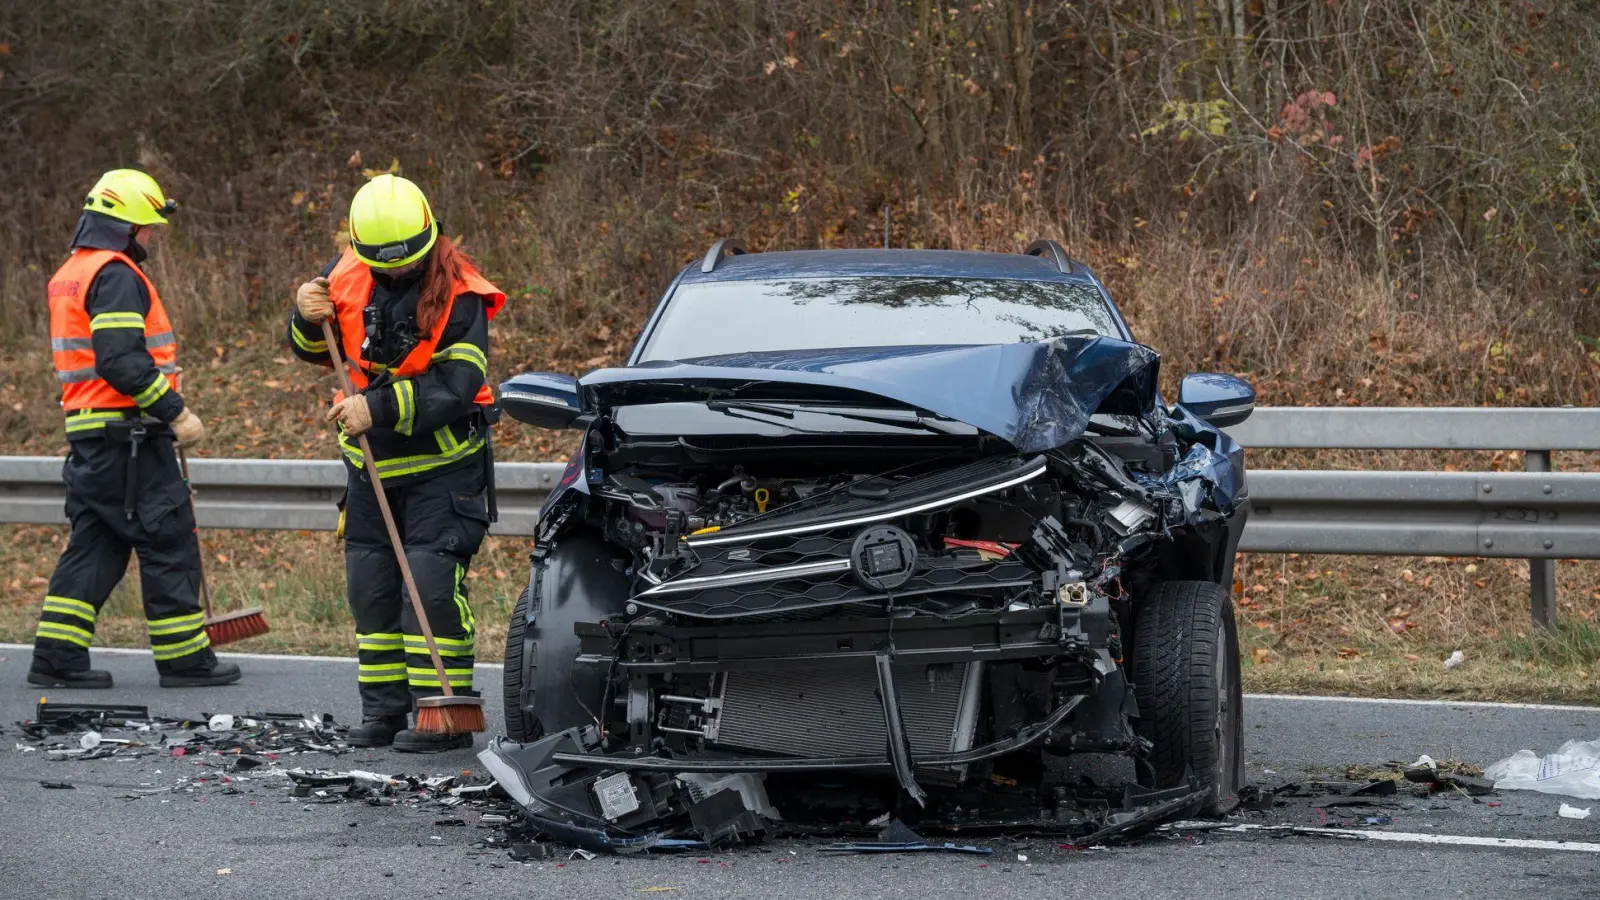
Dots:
{"x": 450, "y": 715}
{"x": 237, "y": 626}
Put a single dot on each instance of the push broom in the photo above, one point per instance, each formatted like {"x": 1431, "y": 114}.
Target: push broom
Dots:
{"x": 230, "y": 626}
{"x": 446, "y": 714}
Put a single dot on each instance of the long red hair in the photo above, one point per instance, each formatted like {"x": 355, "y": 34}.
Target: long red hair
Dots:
{"x": 442, "y": 269}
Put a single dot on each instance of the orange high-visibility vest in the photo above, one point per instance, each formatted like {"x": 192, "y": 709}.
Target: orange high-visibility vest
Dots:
{"x": 350, "y": 288}
{"x": 72, "y": 331}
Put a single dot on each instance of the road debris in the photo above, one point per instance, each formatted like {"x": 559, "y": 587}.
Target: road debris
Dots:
{"x": 1457, "y": 778}
{"x": 86, "y": 731}
{"x": 507, "y": 810}
{"x": 1572, "y": 771}
{"x": 1572, "y": 812}
{"x": 1455, "y": 659}
{"x": 897, "y": 837}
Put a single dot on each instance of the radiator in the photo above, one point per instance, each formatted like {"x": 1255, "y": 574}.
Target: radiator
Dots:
{"x": 834, "y": 710}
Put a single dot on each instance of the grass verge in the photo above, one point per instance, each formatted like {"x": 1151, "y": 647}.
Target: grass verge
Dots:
{"x": 1313, "y": 625}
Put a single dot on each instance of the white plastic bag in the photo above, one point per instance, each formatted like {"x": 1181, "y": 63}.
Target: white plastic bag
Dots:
{"x": 1572, "y": 771}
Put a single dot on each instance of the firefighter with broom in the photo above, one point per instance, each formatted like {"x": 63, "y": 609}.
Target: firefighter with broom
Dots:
{"x": 116, "y": 358}
{"x": 404, "y": 316}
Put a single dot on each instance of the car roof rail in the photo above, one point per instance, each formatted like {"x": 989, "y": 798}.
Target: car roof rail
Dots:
{"x": 1049, "y": 249}
{"x": 731, "y": 246}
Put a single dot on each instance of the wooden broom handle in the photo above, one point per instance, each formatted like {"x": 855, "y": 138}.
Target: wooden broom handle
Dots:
{"x": 388, "y": 517}
{"x": 205, "y": 592}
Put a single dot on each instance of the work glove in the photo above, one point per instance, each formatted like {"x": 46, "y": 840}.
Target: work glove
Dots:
{"x": 312, "y": 300}
{"x": 353, "y": 414}
{"x": 188, "y": 429}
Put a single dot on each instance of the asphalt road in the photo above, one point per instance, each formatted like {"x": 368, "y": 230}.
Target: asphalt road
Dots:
{"x": 87, "y": 843}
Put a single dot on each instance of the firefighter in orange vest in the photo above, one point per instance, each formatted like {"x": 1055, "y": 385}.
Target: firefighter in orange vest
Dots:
{"x": 412, "y": 314}
{"x": 116, "y": 359}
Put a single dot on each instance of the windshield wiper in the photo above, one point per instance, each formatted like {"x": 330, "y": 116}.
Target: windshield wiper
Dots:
{"x": 912, "y": 421}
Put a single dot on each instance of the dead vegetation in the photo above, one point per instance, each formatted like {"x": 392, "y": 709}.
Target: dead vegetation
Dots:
{"x": 1390, "y": 203}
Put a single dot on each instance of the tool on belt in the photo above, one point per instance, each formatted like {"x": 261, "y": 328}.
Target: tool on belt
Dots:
{"x": 134, "y": 432}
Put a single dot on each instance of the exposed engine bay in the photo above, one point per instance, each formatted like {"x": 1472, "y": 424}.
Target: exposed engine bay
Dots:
{"x": 927, "y": 621}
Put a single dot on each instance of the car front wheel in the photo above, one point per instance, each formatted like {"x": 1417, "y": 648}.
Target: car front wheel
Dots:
{"x": 581, "y": 581}
{"x": 1186, "y": 671}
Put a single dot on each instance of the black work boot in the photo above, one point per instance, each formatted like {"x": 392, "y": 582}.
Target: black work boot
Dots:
{"x": 414, "y": 741}
{"x": 218, "y": 674}
{"x": 376, "y": 731}
{"x": 43, "y": 674}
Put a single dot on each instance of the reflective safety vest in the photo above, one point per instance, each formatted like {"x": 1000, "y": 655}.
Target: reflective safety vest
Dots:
{"x": 350, "y": 287}
{"x": 83, "y": 392}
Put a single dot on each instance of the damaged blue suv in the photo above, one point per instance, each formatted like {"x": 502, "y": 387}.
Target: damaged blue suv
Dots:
{"x": 856, "y": 531}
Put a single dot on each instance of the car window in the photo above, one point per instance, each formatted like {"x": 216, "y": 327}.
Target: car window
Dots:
{"x": 717, "y": 318}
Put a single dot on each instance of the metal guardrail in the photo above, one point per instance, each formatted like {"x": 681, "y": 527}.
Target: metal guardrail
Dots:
{"x": 1535, "y": 515}
{"x": 1536, "y": 432}
{"x": 267, "y": 494}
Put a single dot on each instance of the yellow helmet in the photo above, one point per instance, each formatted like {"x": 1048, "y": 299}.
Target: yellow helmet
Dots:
{"x": 391, "y": 223}
{"x": 132, "y": 196}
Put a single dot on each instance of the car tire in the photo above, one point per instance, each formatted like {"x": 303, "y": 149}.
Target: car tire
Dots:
{"x": 580, "y": 580}
{"x": 521, "y": 726}
{"x": 1186, "y": 681}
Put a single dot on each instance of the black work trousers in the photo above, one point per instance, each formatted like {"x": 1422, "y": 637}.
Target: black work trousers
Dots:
{"x": 161, "y": 531}
{"x": 442, "y": 518}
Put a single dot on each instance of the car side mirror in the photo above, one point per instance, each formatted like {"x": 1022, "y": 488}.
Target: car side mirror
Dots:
{"x": 1222, "y": 400}
{"x": 545, "y": 399}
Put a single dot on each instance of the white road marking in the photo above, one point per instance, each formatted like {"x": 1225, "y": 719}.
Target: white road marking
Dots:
{"x": 1403, "y": 837}
{"x": 1482, "y": 704}
{"x": 1297, "y": 698}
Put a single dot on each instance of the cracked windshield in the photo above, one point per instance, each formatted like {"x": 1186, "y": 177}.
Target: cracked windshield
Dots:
{"x": 814, "y": 313}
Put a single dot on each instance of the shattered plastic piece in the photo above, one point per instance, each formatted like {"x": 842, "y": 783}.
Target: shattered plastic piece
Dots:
{"x": 1572, "y": 771}
{"x": 80, "y": 714}
{"x": 582, "y": 854}
{"x": 1440, "y": 780}
{"x": 1456, "y": 659}
{"x": 752, "y": 788}
{"x": 89, "y": 740}
{"x": 57, "y": 785}
{"x": 1382, "y": 787}
{"x": 898, "y": 832}
{"x": 722, "y": 819}
{"x": 527, "y": 850}
{"x": 1572, "y": 812}
{"x": 897, "y": 837}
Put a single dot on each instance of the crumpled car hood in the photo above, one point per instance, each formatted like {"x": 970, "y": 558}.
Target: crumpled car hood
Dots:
{"x": 1036, "y": 396}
